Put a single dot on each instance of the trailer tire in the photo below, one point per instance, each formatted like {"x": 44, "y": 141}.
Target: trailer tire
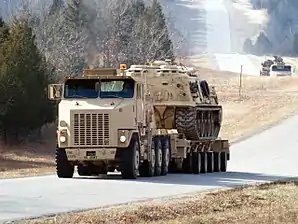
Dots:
{"x": 223, "y": 161}
{"x": 186, "y": 164}
{"x": 166, "y": 155}
{"x": 130, "y": 160}
{"x": 196, "y": 163}
{"x": 203, "y": 156}
{"x": 210, "y": 162}
{"x": 64, "y": 168}
{"x": 216, "y": 162}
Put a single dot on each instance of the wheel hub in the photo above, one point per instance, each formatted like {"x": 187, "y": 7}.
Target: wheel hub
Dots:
{"x": 153, "y": 158}
{"x": 137, "y": 160}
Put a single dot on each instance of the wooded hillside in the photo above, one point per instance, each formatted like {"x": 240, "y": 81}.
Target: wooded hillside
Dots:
{"x": 39, "y": 46}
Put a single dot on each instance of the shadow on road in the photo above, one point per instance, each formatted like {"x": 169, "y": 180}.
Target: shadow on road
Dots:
{"x": 211, "y": 180}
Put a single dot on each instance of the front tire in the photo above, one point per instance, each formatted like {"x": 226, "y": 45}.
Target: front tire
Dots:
{"x": 64, "y": 168}
{"x": 131, "y": 160}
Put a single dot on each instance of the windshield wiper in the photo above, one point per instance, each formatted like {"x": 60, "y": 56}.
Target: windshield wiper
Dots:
{"x": 114, "y": 96}
{"x": 78, "y": 96}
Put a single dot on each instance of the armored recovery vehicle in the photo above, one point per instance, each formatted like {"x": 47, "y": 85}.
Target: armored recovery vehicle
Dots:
{"x": 147, "y": 120}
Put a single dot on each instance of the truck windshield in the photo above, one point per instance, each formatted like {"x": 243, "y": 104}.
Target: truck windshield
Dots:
{"x": 94, "y": 88}
{"x": 286, "y": 68}
{"x": 116, "y": 88}
{"x": 80, "y": 88}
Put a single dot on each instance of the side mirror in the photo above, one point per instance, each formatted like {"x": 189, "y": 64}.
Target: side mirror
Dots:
{"x": 55, "y": 91}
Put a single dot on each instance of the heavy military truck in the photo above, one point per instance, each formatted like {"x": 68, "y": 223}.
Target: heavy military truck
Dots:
{"x": 276, "y": 67}
{"x": 145, "y": 121}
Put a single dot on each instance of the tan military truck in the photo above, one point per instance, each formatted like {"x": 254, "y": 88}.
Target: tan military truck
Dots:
{"x": 147, "y": 120}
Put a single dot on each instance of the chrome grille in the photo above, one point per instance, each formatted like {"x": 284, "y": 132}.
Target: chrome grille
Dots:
{"x": 91, "y": 129}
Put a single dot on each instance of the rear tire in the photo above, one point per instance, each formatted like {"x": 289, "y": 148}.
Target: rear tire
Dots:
{"x": 158, "y": 157}
{"x": 130, "y": 159}
{"x": 64, "y": 168}
{"x": 166, "y": 156}
{"x": 148, "y": 167}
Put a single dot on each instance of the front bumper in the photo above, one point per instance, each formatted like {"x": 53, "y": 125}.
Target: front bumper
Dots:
{"x": 90, "y": 154}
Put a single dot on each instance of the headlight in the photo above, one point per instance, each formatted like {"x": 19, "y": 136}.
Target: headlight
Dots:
{"x": 122, "y": 138}
{"x": 62, "y": 139}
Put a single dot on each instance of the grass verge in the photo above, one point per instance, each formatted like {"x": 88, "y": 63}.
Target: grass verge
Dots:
{"x": 266, "y": 203}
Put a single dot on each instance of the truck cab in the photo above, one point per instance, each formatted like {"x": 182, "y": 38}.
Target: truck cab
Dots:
{"x": 98, "y": 116}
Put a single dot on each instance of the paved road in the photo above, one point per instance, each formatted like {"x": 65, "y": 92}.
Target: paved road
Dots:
{"x": 268, "y": 156}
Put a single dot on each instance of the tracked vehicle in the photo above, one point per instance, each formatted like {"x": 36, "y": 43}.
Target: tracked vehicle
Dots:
{"x": 147, "y": 120}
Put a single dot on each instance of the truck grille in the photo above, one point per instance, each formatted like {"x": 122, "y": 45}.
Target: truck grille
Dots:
{"x": 91, "y": 129}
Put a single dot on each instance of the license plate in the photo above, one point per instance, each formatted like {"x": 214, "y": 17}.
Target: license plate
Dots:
{"x": 90, "y": 153}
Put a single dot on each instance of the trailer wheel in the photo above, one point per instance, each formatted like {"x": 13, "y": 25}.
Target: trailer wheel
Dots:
{"x": 210, "y": 162}
{"x": 166, "y": 156}
{"x": 196, "y": 163}
{"x": 130, "y": 160}
{"x": 204, "y": 161}
{"x": 158, "y": 157}
{"x": 147, "y": 167}
{"x": 186, "y": 164}
{"x": 216, "y": 162}
{"x": 223, "y": 161}
{"x": 64, "y": 168}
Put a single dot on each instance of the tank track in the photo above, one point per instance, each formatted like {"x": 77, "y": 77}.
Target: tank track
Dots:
{"x": 199, "y": 123}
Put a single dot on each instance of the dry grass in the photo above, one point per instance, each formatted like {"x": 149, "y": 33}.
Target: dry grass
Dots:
{"x": 264, "y": 101}
{"x": 268, "y": 203}
{"x": 29, "y": 159}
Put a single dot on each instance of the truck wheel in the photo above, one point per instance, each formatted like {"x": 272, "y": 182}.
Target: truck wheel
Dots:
{"x": 148, "y": 167}
{"x": 196, "y": 163}
{"x": 158, "y": 157}
{"x": 130, "y": 160}
{"x": 210, "y": 162}
{"x": 64, "y": 168}
{"x": 203, "y": 162}
{"x": 223, "y": 161}
{"x": 166, "y": 156}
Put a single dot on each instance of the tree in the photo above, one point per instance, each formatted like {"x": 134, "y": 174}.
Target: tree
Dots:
{"x": 24, "y": 78}
{"x": 56, "y": 6}
{"x": 4, "y": 31}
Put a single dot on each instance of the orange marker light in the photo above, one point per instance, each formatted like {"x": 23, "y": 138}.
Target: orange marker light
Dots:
{"x": 123, "y": 66}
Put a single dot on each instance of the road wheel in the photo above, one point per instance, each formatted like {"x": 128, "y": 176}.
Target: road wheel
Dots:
{"x": 203, "y": 156}
{"x": 196, "y": 163}
{"x": 166, "y": 156}
{"x": 148, "y": 167}
{"x": 158, "y": 157}
{"x": 64, "y": 168}
{"x": 131, "y": 160}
